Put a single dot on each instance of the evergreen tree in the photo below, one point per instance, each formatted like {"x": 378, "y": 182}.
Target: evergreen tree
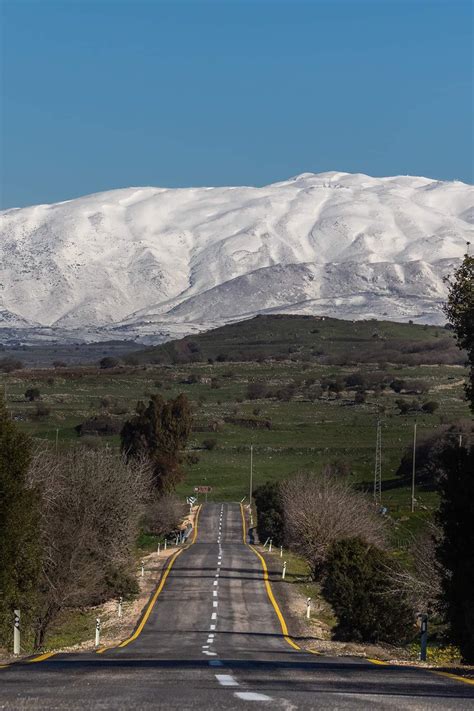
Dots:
{"x": 456, "y": 549}
{"x": 20, "y": 552}
{"x": 159, "y": 431}
{"x": 269, "y": 512}
{"x": 358, "y": 584}
{"x": 460, "y": 313}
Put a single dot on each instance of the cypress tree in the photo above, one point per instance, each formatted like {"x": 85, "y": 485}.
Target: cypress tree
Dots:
{"x": 159, "y": 431}
{"x": 20, "y": 552}
{"x": 456, "y": 549}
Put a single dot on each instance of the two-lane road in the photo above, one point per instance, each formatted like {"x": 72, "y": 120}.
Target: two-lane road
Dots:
{"x": 213, "y": 640}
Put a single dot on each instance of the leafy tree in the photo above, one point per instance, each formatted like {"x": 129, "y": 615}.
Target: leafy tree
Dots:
{"x": 20, "y": 554}
{"x": 358, "y": 584}
{"x": 256, "y": 390}
{"x": 159, "y": 431}
{"x": 32, "y": 394}
{"x": 460, "y": 313}
{"x": 269, "y": 512}
{"x": 455, "y": 551}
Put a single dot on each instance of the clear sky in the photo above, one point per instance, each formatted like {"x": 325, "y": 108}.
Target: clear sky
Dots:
{"x": 113, "y": 93}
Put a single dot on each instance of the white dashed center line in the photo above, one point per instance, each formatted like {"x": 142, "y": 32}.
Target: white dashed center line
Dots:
{"x": 214, "y": 616}
{"x": 251, "y": 696}
{"x": 226, "y": 680}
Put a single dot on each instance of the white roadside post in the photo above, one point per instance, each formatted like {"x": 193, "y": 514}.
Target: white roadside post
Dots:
{"x": 281, "y": 551}
{"x": 270, "y": 545}
{"x": 158, "y": 549}
{"x": 120, "y": 606}
{"x": 283, "y": 572}
{"x": 16, "y": 632}
{"x": 166, "y": 543}
{"x": 308, "y": 608}
{"x": 97, "y": 632}
{"x": 143, "y": 568}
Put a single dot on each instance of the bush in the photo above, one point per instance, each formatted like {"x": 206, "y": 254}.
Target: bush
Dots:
{"x": 41, "y": 411}
{"x": 32, "y": 394}
{"x": 360, "y": 397}
{"x": 108, "y": 362}
{"x": 256, "y": 390}
{"x": 358, "y": 584}
{"x": 8, "y": 365}
{"x": 430, "y": 407}
{"x": 209, "y": 444}
{"x": 320, "y": 510}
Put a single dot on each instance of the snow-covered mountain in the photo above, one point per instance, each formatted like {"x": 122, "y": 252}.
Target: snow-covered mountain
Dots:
{"x": 154, "y": 262}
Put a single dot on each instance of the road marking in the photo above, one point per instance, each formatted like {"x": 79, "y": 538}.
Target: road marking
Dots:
{"x": 209, "y": 654}
{"x": 377, "y": 661}
{"x": 226, "y": 680}
{"x": 153, "y": 600}
{"x": 269, "y": 590}
{"x": 456, "y": 677}
{"x": 205, "y": 646}
{"x": 214, "y": 592}
{"x": 251, "y": 696}
{"x": 212, "y": 627}
{"x": 41, "y": 657}
{"x": 211, "y": 636}
{"x": 219, "y": 562}
{"x": 214, "y": 616}
{"x": 214, "y": 603}
{"x": 215, "y": 582}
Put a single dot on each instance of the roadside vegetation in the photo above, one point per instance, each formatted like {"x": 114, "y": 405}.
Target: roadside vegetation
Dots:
{"x": 307, "y": 393}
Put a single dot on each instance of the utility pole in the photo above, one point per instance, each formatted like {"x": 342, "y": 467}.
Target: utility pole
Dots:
{"x": 413, "y": 470}
{"x": 251, "y": 475}
{"x": 378, "y": 465}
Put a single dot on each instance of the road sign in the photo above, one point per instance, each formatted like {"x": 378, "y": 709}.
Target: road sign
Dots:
{"x": 203, "y": 489}
{"x": 191, "y": 500}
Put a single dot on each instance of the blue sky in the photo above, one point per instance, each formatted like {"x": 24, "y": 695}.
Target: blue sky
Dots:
{"x": 104, "y": 94}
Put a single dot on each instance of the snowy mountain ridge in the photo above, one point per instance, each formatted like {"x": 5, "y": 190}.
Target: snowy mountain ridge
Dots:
{"x": 152, "y": 263}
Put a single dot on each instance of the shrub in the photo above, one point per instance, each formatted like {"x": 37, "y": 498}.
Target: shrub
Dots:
{"x": 32, "y": 394}
{"x": 360, "y": 397}
{"x": 358, "y": 584}
{"x": 256, "y": 390}
{"x": 41, "y": 411}
{"x": 320, "y": 510}
{"x": 108, "y": 362}
{"x": 209, "y": 444}
{"x": 8, "y": 365}
{"x": 430, "y": 407}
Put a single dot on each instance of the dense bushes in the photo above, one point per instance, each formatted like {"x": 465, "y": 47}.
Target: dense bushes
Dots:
{"x": 358, "y": 584}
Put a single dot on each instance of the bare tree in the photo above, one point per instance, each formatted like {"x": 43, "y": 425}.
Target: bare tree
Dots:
{"x": 91, "y": 504}
{"x": 420, "y": 583}
{"x": 319, "y": 510}
{"x": 164, "y": 514}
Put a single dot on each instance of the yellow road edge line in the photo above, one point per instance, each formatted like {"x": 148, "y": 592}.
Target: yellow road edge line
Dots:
{"x": 5, "y": 666}
{"x": 453, "y": 676}
{"x": 268, "y": 587}
{"x": 41, "y": 657}
{"x": 158, "y": 590}
{"x": 377, "y": 661}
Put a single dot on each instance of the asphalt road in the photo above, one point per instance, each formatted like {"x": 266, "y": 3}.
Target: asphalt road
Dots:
{"x": 213, "y": 641}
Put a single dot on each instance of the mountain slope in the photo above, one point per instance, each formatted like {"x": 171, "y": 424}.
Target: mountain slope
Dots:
{"x": 151, "y": 262}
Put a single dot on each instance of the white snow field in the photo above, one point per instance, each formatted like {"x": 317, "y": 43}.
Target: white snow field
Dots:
{"x": 151, "y": 263}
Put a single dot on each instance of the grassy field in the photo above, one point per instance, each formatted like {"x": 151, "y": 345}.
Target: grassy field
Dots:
{"x": 303, "y": 434}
